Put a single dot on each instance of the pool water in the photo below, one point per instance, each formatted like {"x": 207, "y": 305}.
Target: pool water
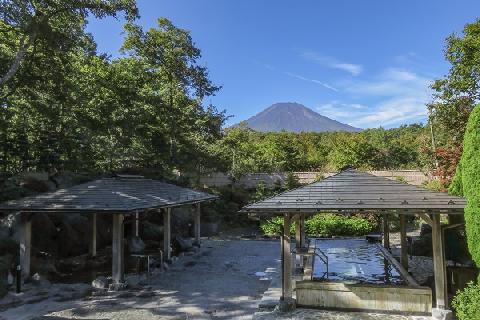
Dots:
{"x": 354, "y": 261}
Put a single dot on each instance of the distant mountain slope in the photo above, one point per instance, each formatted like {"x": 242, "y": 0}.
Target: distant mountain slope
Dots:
{"x": 294, "y": 117}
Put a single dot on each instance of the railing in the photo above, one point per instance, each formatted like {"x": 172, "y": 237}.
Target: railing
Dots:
{"x": 323, "y": 257}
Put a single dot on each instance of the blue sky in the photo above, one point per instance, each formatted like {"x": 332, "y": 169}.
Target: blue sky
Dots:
{"x": 365, "y": 63}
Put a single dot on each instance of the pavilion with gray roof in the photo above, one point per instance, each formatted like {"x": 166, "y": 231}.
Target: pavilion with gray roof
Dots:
{"x": 353, "y": 191}
{"x": 119, "y": 196}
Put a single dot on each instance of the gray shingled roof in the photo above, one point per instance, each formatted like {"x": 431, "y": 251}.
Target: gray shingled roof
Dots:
{"x": 110, "y": 195}
{"x": 352, "y": 190}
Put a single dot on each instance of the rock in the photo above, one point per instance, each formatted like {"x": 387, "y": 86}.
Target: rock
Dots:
{"x": 44, "y": 233}
{"x": 78, "y": 222}
{"x": 39, "y": 280}
{"x": 422, "y": 246}
{"x": 45, "y": 266}
{"x": 117, "y": 286}
{"x": 100, "y": 283}
{"x": 152, "y": 231}
{"x": 442, "y": 314}
{"x": 73, "y": 264}
{"x": 136, "y": 245}
{"x": 208, "y": 229}
{"x": 183, "y": 244}
{"x": 4, "y": 231}
{"x": 425, "y": 229}
{"x": 70, "y": 241}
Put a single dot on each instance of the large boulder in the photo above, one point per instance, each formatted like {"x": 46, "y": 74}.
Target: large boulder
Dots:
{"x": 135, "y": 245}
{"x": 208, "y": 229}
{"x": 100, "y": 283}
{"x": 6, "y": 263}
{"x": 152, "y": 231}
{"x": 44, "y": 233}
{"x": 422, "y": 246}
{"x": 182, "y": 244}
{"x": 70, "y": 242}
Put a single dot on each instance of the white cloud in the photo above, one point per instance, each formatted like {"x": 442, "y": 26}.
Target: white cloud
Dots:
{"x": 353, "y": 69}
{"x": 299, "y": 77}
{"x": 400, "y": 97}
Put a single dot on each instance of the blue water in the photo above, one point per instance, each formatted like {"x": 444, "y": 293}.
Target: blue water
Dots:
{"x": 354, "y": 261}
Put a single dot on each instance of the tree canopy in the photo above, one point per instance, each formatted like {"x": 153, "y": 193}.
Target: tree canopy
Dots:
{"x": 69, "y": 108}
{"x": 243, "y": 150}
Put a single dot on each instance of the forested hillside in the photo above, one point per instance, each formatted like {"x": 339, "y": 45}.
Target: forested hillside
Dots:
{"x": 408, "y": 147}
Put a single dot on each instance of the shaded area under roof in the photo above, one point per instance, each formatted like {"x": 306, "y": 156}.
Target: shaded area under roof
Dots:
{"x": 352, "y": 190}
{"x": 118, "y": 194}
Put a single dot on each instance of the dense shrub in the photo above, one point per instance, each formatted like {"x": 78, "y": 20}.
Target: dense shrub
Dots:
{"x": 467, "y": 303}
{"x": 467, "y": 182}
{"x": 323, "y": 225}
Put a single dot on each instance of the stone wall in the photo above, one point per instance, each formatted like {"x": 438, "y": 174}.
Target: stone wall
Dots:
{"x": 219, "y": 179}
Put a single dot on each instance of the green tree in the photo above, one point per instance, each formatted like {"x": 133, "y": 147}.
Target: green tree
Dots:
{"x": 456, "y": 94}
{"x": 467, "y": 182}
{"x": 57, "y": 24}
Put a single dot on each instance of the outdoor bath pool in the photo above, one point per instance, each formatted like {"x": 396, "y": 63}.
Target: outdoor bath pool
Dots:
{"x": 354, "y": 261}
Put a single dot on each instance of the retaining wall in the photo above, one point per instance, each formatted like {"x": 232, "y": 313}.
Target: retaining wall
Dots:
{"x": 383, "y": 298}
{"x": 219, "y": 179}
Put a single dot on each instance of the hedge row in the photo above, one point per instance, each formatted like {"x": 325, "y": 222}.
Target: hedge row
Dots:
{"x": 323, "y": 225}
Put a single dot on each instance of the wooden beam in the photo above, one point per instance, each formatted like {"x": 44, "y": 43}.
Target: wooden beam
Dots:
{"x": 25, "y": 243}
{"x": 426, "y": 218}
{"x": 196, "y": 223}
{"x": 410, "y": 280}
{"x": 117, "y": 249}
{"x": 137, "y": 224}
{"x": 386, "y": 232}
{"x": 439, "y": 268}
{"x": 403, "y": 242}
{"x": 92, "y": 250}
{"x": 287, "y": 288}
{"x": 167, "y": 213}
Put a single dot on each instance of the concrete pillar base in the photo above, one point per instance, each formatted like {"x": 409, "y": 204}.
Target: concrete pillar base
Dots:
{"x": 197, "y": 243}
{"x": 287, "y": 304}
{"x": 442, "y": 314}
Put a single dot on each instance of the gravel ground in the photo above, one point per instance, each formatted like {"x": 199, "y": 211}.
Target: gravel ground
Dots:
{"x": 217, "y": 282}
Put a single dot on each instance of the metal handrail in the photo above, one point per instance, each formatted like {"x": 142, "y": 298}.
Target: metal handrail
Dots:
{"x": 323, "y": 257}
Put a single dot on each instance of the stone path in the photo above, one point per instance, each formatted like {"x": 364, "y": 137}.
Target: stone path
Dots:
{"x": 221, "y": 281}
{"x": 311, "y": 314}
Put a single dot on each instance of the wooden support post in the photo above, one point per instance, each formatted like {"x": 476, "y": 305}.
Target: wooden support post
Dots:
{"x": 403, "y": 241}
{"x": 386, "y": 232}
{"x": 439, "y": 264}
{"x": 117, "y": 249}
{"x": 137, "y": 224}
{"x": 196, "y": 224}
{"x": 298, "y": 233}
{"x": 287, "y": 259}
{"x": 167, "y": 213}
{"x": 93, "y": 236}
{"x": 25, "y": 243}
{"x": 303, "y": 239}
